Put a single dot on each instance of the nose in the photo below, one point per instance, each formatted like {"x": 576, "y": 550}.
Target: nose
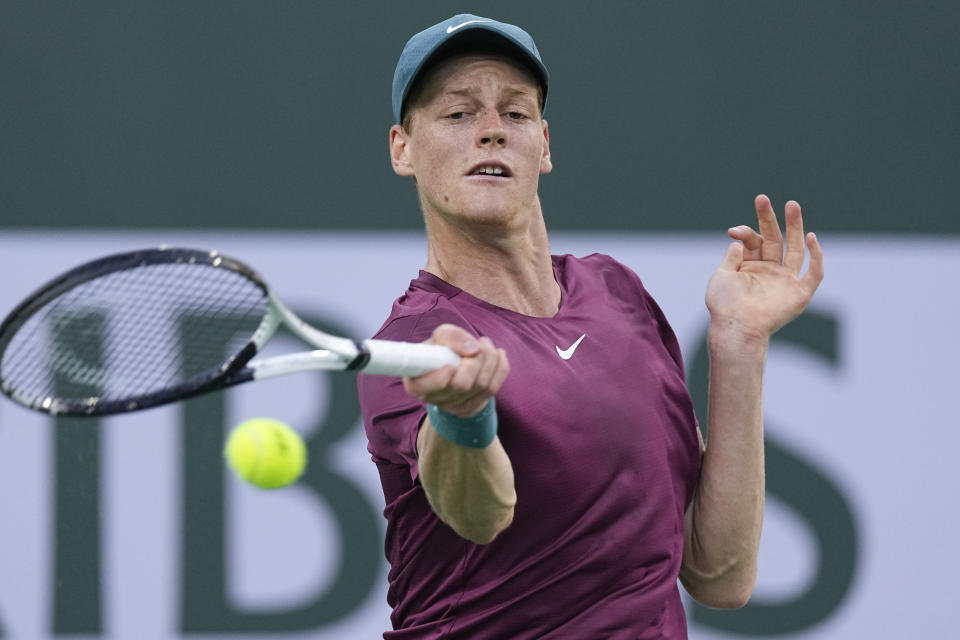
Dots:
{"x": 491, "y": 130}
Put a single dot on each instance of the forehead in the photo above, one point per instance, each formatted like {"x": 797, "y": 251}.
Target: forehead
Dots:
{"x": 472, "y": 69}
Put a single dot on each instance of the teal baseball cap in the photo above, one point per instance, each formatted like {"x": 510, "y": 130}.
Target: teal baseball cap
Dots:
{"x": 462, "y": 32}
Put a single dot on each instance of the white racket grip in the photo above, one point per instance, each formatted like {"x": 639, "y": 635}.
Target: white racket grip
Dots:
{"x": 391, "y": 358}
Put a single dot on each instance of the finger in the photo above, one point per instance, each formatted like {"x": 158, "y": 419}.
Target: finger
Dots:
{"x": 772, "y": 247}
{"x": 500, "y": 375}
{"x": 468, "y": 374}
{"x": 489, "y": 366}
{"x": 422, "y": 386}
{"x": 752, "y": 241}
{"x": 468, "y": 404}
{"x": 464, "y": 378}
{"x": 460, "y": 404}
{"x": 455, "y": 401}
{"x": 461, "y": 401}
{"x": 795, "y": 251}
{"x": 472, "y": 379}
{"x": 460, "y": 340}
{"x": 814, "y": 276}
{"x": 733, "y": 258}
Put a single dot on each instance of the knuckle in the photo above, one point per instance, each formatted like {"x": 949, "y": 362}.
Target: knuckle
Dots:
{"x": 429, "y": 383}
{"x": 463, "y": 380}
{"x": 460, "y": 385}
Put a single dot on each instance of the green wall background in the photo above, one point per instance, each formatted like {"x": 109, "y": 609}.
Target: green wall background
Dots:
{"x": 663, "y": 115}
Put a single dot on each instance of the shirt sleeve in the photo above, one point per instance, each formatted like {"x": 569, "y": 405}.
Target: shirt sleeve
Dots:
{"x": 391, "y": 418}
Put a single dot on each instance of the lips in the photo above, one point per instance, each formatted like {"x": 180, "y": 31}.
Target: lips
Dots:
{"x": 490, "y": 169}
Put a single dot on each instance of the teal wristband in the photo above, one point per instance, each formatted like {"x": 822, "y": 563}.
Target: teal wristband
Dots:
{"x": 476, "y": 432}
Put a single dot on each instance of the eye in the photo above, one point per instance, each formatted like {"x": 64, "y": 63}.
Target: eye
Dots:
{"x": 456, "y": 115}
{"x": 516, "y": 115}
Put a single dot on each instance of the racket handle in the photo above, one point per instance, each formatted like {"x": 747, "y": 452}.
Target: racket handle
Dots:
{"x": 391, "y": 358}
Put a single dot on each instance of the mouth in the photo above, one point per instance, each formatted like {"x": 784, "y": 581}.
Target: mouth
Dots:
{"x": 490, "y": 169}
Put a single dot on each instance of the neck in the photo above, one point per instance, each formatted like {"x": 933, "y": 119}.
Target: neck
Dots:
{"x": 507, "y": 266}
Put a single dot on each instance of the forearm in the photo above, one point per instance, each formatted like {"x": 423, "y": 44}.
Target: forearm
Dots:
{"x": 725, "y": 518}
{"x": 472, "y": 490}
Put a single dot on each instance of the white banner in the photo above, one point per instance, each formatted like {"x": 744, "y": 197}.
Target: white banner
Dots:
{"x": 859, "y": 535}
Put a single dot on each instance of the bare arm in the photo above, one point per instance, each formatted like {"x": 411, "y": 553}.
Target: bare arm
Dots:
{"x": 470, "y": 489}
{"x": 723, "y": 522}
{"x": 756, "y": 290}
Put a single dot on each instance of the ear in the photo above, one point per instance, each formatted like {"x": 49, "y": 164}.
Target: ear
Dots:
{"x": 546, "y": 166}
{"x": 399, "y": 151}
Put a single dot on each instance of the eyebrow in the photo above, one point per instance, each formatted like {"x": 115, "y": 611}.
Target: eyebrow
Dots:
{"x": 509, "y": 91}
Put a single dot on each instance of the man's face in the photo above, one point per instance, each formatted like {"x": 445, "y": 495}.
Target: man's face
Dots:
{"x": 476, "y": 143}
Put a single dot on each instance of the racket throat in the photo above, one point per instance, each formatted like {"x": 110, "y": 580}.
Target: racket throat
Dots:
{"x": 361, "y": 359}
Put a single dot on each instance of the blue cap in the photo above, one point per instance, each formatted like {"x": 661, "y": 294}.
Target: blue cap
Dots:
{"x": 463, "y": 30}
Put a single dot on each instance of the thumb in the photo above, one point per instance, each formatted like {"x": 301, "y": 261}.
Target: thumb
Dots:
{"x": 733, "y": 258}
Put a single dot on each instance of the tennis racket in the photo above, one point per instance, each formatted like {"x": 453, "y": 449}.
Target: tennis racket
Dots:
{"x": 135, "y": 330}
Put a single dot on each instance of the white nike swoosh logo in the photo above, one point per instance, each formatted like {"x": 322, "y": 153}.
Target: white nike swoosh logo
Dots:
{"x": 568, "y": 352}
{"x": 451, "y": 28}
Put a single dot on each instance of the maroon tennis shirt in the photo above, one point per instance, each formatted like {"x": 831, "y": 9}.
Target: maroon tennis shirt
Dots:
{"x": 599, "y": 426}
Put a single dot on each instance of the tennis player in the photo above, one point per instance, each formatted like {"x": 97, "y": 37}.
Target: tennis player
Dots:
{"x": 555, "y": 484}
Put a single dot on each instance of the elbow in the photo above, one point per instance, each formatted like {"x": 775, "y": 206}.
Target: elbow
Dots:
{"x": 738, "y": 600}
{"x": 483, "y": 531}
{"x": 728, "y": 598}
{"x": 731, "y": 589}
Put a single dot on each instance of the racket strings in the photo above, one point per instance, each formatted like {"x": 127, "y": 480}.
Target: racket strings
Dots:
{"x": 132, "y": 333}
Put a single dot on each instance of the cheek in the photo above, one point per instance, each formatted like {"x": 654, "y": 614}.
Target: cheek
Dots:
{"x": 434, "y": 173}
{"x": 436, "y": 162}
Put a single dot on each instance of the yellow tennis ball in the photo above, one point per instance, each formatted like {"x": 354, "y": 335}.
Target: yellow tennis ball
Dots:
{"x": 266, "y": 453}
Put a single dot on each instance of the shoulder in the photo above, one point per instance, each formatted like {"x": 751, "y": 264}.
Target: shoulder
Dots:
{"x": 597, "y": 264}
{"x": 599, "y": 270}
{"x": 427, "y": 303}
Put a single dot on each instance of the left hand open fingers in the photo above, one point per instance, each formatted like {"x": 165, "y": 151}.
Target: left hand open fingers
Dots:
{"x": 751, "y": 240}
{"x": 814, "y": 275}
{"x": 795, "y": 251}
{"x": 772, "y": 247}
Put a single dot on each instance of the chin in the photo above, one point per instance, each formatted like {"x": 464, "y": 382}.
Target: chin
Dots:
{"x": 493, "y": 213}
{"x": 495, "y": 210}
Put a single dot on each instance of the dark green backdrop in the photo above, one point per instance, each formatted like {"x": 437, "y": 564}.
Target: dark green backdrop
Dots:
{"x": 663, "y": 115}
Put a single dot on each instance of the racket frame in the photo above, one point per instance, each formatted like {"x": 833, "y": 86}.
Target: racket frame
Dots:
{"x": 115, "y": 263}
{"x": 333, "y": 353}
